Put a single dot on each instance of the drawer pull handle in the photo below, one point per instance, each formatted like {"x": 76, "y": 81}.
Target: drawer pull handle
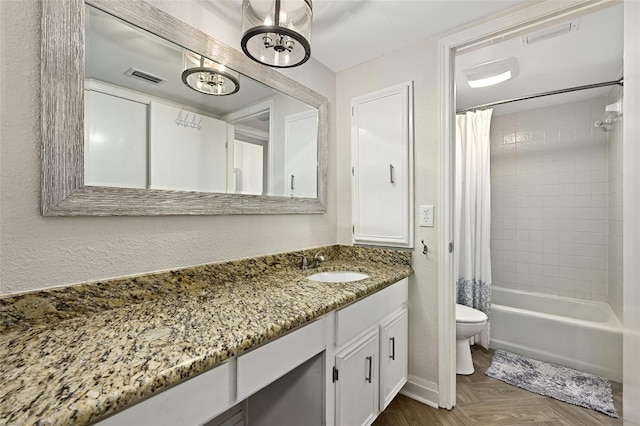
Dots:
{"x": 370, "y": 362}
{"x": 393, "y": 348}
{"x": 292, "y": 185}
{"x": 391, "y": 177}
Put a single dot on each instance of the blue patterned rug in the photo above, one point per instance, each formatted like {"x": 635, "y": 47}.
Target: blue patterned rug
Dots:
{"x": 562, "y": 383}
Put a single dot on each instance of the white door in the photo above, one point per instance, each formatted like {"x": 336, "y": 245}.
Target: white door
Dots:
{"x": 301, "y": 154}
{"x": 382, "y": 138}
{"x": 357, "y": 384}
{"x": 115, "y": 141}
{"x": 393, "y": 357}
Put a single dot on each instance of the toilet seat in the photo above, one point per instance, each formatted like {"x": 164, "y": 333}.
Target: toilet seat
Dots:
{"x": 467, "y": 315}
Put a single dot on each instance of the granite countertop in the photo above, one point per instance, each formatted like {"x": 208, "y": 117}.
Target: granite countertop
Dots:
{"x": 74, "y": 355}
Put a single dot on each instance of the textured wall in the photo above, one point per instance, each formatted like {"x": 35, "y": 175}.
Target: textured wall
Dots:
{"x": 417, "y": 63}
{"x": 38, "y": 252}
{"x": 549, "y": 196}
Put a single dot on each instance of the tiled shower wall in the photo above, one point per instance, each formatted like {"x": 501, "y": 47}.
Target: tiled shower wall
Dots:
{"x": 615, "y": 210}
{"x": 550, "y": 196}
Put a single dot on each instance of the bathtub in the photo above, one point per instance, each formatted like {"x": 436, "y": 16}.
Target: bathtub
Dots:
{"x": 575, "y": 333}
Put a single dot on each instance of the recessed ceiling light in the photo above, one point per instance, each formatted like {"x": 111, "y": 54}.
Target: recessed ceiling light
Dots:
{"x": 492, "y": 72}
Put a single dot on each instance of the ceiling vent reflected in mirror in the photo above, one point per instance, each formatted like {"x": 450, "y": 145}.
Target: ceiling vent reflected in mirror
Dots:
{"x": 145, "y": 76}
{"x": 209, "y": 77}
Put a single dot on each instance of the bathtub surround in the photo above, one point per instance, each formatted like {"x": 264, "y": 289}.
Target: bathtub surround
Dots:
{"x": 472, "y": 214}
{"x": 75, "y": 354}
{"x": 562, "y": 383}
{"x": 550, "y": 201}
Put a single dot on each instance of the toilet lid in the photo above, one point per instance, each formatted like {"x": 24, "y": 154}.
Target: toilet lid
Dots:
{"x": 469, "y": 315}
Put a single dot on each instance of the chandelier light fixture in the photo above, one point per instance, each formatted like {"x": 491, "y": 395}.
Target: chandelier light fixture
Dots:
{"x": 277, "y": 32}
{"x": 206, "y": 76}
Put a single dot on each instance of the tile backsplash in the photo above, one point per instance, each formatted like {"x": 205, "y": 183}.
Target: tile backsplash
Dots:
{"x": 550, "y": 198}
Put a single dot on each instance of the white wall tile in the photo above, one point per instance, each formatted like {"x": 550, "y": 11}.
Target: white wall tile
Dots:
{"x": 552, "y": 186}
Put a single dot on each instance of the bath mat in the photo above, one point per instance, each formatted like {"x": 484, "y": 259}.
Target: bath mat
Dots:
{"x": 562, "y": 383}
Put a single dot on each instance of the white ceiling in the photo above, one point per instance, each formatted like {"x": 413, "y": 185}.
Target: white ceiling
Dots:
{"x": 592, "y": 54}
{"x": 349, "y": 32}
{"x": 346, "y": 33}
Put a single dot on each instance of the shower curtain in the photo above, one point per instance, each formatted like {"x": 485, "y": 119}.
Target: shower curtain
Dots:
{"x": 472, "y": 214}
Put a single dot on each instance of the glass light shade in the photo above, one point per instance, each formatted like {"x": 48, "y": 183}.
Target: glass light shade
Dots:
{"x": 206, "y": 76}
{"x": 492, "y": 72}
{"x": 277, "y": 32}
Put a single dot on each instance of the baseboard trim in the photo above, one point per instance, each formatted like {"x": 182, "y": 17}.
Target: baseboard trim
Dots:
{"x": 421, "y": 390}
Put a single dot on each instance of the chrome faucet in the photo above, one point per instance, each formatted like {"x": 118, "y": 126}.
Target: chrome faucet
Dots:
{"x": 318, "y": 258}
{"x": 304, "y": 265}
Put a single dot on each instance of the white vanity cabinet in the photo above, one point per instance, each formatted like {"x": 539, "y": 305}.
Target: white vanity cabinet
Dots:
{"x": 357, "y": 381}
{"x": 382, "y": 169}
{"x": 209, "y": 394}
{"x": 394, "y": 348}
{"x": 193, "y": 402}
{"x": 371, "y": 355}
{"x": 343, "y": 369}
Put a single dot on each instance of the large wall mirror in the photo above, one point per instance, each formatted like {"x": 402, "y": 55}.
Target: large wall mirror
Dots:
{"x": 145, "y": 115}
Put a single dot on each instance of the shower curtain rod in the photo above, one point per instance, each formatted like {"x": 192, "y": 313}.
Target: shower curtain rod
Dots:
{"x": 619, "y": 82}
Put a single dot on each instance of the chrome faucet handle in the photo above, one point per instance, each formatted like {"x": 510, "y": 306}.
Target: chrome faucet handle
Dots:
{"x": 304, "y": 265}
{"x": 319, "y": 257}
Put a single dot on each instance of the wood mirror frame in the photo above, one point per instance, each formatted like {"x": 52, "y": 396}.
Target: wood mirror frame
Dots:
{"x": 62, "y": 87}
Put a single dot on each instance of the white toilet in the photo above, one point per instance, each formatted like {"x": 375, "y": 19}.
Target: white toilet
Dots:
{"x": 469, "y": 322}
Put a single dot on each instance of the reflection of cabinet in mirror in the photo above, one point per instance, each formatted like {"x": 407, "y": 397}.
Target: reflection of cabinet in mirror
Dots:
{"x": 115, "y": 150}
{"x": 301, "y": 157}
{"x": 132, "y": 141}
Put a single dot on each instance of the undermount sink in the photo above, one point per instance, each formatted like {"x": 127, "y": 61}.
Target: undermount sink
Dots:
{"x": 338, "y": 276}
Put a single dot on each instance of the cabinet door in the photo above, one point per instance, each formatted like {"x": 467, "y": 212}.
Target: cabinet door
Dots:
{"x": 393, "y": 357}
{"x": 301, "y": 134}
{"x": 115, "y": 141}
{"x": 357, "y": 384}
{"x": 382, "y": 141}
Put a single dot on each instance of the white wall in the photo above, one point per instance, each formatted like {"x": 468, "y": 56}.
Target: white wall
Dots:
{"x": 417, "y": 63}
{"x": 614, "y": 139}
{"x": 549, "y": 196}
{"x": 38, "y": 252}
{"x": 631, "y": 213}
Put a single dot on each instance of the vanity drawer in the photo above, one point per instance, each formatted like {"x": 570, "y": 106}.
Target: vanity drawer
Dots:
{"x": 357, "y": 317}
{"x": 264, "y": 365}
{"x": 195, "y": 401}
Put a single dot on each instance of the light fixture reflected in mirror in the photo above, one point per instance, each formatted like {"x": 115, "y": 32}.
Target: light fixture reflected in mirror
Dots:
{"x": 206, "y": 76}
{"x": 277, "y": 32}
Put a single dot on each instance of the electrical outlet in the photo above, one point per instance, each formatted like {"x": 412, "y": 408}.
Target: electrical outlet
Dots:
{"x": 426, "y": 216}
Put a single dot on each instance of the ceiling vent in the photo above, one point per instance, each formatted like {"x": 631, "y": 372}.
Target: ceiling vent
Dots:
{"x": 145, "y": 76}
{"x": 550, "y": 32}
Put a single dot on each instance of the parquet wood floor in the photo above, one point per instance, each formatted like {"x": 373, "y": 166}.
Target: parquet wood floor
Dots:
{"x": 484, "y": 401}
